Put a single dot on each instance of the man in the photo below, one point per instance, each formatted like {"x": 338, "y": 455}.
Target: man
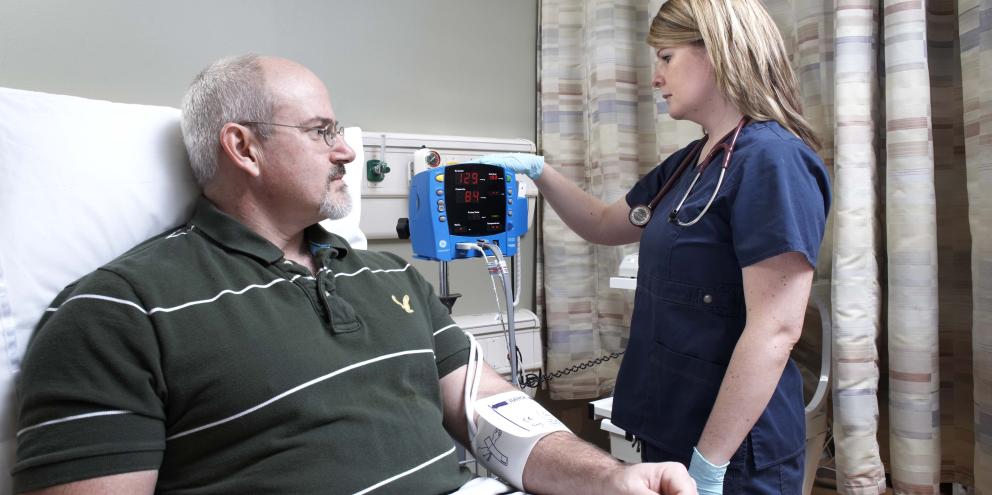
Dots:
{"x": 249, "y": 351}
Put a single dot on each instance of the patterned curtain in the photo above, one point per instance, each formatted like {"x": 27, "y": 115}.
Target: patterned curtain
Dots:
{"x": 901, "y": 93}
{"x": 598, "y": 127}
{"x": 974, "y": 18}
{"x": 903, "y": 326}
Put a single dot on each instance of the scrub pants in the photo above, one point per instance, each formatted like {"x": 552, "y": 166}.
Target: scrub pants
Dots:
{"x": 742, "y": 477}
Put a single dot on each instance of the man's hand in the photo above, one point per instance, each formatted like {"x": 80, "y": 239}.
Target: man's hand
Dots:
{"x": 669, "y": 478}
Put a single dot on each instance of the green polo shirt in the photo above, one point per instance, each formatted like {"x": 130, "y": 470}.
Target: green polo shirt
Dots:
{"x": 207, "y": 355}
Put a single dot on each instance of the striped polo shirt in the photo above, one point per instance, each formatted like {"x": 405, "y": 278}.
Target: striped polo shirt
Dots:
{"x": 207, "y": 355}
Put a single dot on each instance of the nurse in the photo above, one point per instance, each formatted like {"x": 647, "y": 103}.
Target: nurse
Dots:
{"x": 726, "y": 254}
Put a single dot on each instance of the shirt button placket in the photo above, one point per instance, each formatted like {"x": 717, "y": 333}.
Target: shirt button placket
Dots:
{"x": 325, "y": 288}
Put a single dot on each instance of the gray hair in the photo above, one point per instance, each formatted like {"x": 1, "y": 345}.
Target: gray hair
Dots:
{"x": 229, "y": 90}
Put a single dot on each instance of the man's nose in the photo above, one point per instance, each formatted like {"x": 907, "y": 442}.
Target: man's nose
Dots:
{"x": 341, "y": 152}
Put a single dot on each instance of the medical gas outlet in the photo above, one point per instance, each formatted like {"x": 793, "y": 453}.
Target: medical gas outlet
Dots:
{"x": 376, "y": 170}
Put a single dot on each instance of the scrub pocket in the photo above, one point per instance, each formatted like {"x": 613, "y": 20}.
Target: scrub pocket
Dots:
{"x": 700, "y": 321}
{"x": 684, "y": 391}
{"x": 743, "y": 478}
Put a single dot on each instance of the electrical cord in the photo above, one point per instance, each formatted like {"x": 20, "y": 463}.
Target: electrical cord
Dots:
{"x": 517, "y": 262}
{"x": 497, "y": 268}
{"x": 473, "y": 378}
{"x": 534, "y": 380}
{"x": 493, "y": 268}
{"x": 509, "y": 331}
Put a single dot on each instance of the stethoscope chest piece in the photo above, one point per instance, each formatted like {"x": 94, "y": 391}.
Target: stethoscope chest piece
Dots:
{"x": 640, "y": 215}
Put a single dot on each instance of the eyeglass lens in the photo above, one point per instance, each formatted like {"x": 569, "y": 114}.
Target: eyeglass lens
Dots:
{"x": 331, "y": 132}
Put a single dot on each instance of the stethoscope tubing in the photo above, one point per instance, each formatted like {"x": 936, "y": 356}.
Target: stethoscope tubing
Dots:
{"x": 674, "y": 216}
{"x": 641, "y": 214}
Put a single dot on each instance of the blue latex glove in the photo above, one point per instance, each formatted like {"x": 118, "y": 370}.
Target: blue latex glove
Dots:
{"x": 709, "y": 478}
{"x": 521, "y": 163}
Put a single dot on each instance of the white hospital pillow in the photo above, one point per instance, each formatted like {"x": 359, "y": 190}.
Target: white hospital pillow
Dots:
{"x": 82, "y": 181}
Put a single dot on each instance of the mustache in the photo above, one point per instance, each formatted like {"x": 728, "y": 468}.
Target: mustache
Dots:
{"x": 336, "y": 173}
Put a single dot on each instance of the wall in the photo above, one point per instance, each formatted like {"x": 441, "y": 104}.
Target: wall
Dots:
{"x": 459, "y": 67}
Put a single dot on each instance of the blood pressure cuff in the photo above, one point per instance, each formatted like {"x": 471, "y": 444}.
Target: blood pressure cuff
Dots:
{"x": 510, "y": 425}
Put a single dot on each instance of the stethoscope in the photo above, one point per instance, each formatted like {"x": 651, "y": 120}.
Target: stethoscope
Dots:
{"x": 640, "y": 215}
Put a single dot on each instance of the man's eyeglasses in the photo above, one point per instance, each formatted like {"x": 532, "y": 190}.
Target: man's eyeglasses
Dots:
{"x": 329, "y": 131}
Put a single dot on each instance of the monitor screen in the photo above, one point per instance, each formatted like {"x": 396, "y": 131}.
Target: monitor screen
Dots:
{"x": 475, "y": 199}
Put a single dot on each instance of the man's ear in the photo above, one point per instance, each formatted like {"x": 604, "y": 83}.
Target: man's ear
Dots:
{"x": 240, "y": 145}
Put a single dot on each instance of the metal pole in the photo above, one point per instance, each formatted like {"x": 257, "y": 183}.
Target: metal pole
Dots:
{"x": 442, "y": 286}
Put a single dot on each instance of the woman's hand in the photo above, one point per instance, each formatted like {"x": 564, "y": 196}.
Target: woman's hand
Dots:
{"x": 521, "y": 163}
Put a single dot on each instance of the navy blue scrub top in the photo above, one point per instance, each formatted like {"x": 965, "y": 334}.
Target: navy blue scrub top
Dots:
{"x": 689, "y": 306}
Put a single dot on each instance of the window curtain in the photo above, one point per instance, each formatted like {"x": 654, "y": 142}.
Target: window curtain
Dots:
{"x": 901, "y": 95}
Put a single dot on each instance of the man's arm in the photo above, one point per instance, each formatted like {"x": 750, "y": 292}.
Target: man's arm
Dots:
{"x": 562, "y": 462}
{"x": 136, "y": 483}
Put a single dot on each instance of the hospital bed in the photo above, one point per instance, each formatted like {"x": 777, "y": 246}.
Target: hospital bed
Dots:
{"x": 82, "y": 181}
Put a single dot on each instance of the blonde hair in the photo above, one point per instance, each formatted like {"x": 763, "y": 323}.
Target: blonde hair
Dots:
{"x": 747, "y": 53}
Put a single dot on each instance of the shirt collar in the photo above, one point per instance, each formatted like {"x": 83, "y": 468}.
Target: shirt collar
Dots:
{"x": 232, "y": 234}
{"x": 323, "y": 243}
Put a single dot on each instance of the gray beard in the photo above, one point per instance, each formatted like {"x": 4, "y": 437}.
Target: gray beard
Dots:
{"x": 337, "y": 206}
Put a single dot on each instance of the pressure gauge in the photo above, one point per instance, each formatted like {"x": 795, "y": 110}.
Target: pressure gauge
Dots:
{"x": 433, "y": 159}
{"x": 425, "y": 158}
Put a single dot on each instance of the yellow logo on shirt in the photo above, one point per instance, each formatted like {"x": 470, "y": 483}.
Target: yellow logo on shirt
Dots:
{"x": 405, "y": 304}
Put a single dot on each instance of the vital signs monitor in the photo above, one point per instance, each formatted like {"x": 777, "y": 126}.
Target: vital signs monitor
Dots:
{"x": 465, "y": 203}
